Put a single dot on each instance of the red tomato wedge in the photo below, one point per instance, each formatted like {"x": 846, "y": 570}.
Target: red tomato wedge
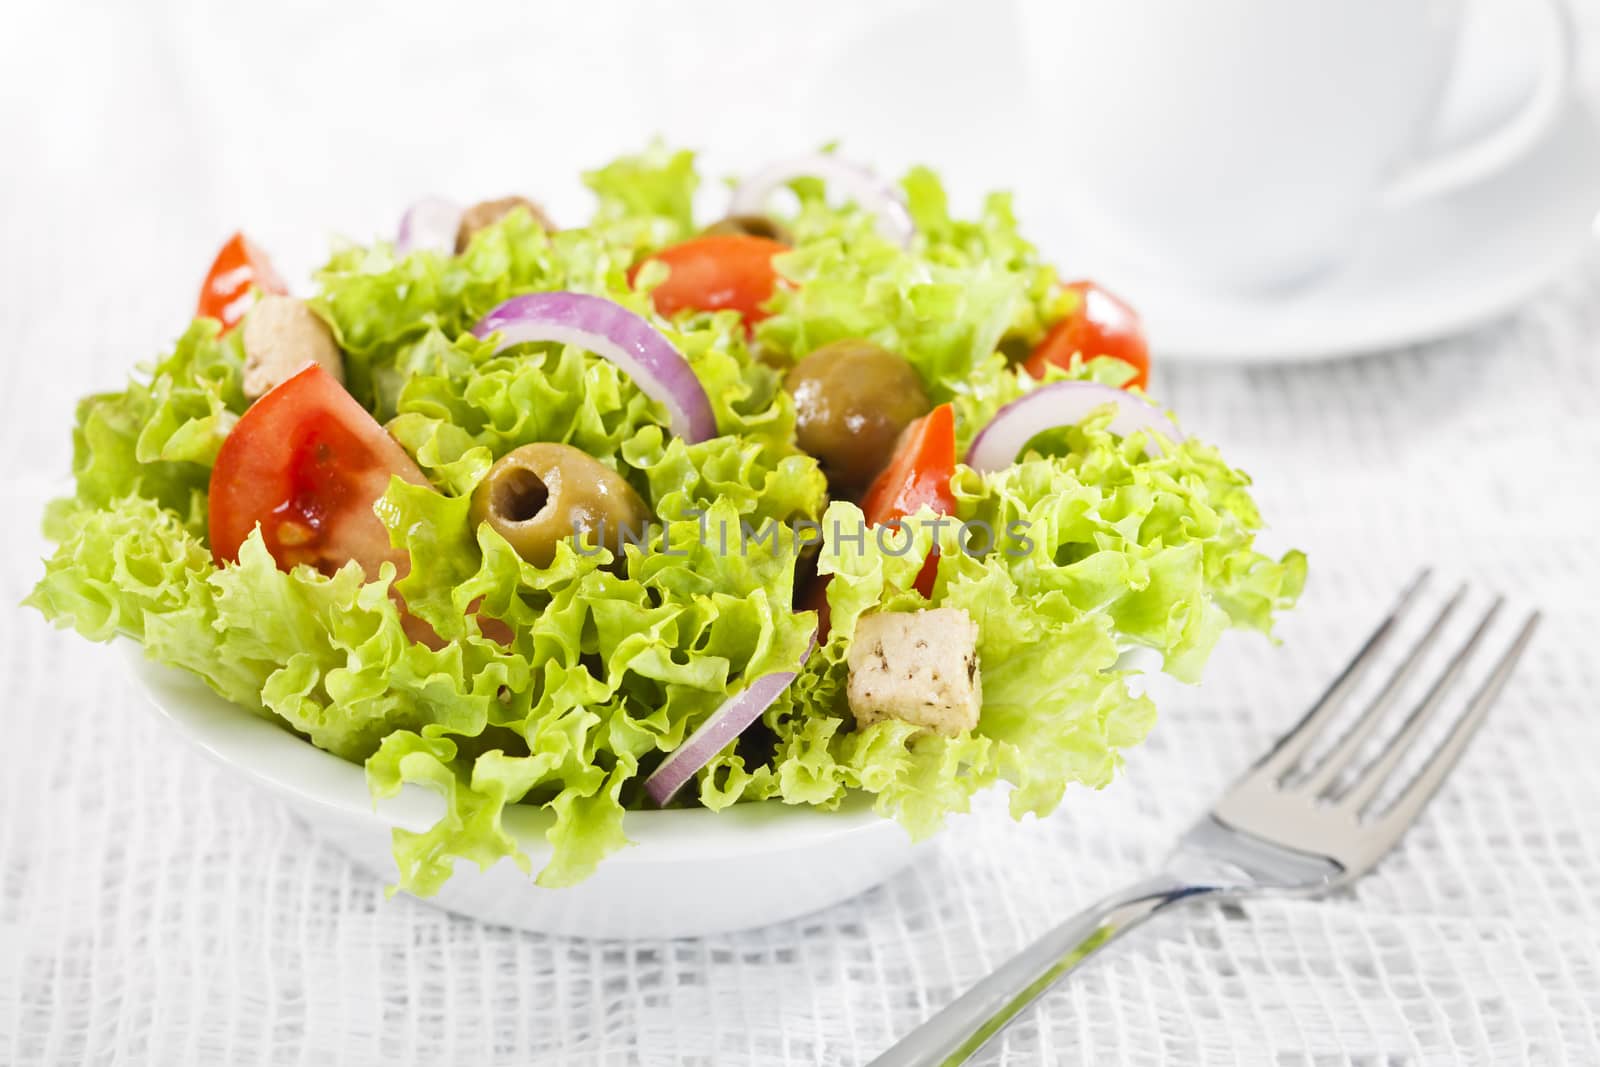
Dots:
{"x": 919, "y": 473}
{"x": 239, "y": 270}
{"x": 717, "y": 271}
{"x": 918, "y": 476}
{"x": 1101, "y": 325}
{"x": 307, "y": 463}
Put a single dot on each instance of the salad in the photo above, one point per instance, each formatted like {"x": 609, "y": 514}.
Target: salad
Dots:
{"x": 857, "y": 497}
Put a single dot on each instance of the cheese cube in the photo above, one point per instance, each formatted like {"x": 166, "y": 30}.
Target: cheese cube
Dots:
{"x": 918, "y": 667}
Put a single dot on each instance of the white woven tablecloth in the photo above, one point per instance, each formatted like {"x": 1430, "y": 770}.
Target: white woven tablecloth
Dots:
{"x": 154, "y": 911}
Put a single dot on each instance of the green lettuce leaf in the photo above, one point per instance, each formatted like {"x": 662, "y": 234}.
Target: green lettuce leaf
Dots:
{"x": 946, "y": 304}
{"x": 647, "y": 199}
{"x": 1067, "y": 560}
{"x": 158, "y": 438}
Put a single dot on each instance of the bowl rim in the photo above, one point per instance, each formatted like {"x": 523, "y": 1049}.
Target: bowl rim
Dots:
{"x": 258, "y": 747}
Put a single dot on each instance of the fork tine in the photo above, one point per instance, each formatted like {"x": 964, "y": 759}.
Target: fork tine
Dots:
{"x": 1283, "y": 755}
{"x": 1359, "y": 796}
{"x": 1415, "y": 795}
{"x": 1336, "y": 761}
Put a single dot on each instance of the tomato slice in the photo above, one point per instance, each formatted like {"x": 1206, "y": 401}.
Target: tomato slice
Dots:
{"x": 919, "y": 473}
{"x": 239, "y": 270}
{"x": 307, "y": 463}
{"x": 1101, "y": 325}
{"x": 717, "y": 271}
{"x": 918, "y": 476}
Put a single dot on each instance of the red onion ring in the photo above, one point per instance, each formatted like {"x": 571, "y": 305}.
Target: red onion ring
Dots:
{"x": 1063, "y": 404}
{"x": 429, "y": 224}
{"x": 614, "y": 333}
{"x": 726, "y": 723}
{"x": 861, "y": 185}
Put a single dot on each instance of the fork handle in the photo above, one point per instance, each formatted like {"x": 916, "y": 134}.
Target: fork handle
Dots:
{"x": 966, "y": 1024}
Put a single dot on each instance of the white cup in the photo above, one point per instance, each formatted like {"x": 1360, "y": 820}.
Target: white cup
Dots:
{"x": 1242, "y": 144}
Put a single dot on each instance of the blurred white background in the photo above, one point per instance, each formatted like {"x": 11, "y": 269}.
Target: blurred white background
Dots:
{"x": 160, "y": 128}
{"x": 174, "y": 123}
{"x": 168, "y": 917}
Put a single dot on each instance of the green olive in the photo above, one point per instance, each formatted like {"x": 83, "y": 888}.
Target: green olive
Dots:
{"x": 852, "y": 398}
{"x": 755, "y": 226}
{"x": 542, "y": 494}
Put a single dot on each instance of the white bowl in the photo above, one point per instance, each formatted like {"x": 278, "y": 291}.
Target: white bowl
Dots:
{"x": 689, "y": 872}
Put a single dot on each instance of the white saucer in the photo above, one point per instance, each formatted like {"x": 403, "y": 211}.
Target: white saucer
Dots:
{"x": 1432, "y": 269}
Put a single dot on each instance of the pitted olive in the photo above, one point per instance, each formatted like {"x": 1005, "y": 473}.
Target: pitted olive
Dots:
{"x": 852, "y": 398}
{"x": 542, "y": 494}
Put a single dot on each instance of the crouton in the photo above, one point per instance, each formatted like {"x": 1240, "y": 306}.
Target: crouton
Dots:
{"x": 282, "y": 335}
{"x": 488, "y": 212}
{"x": 920, "y": 668}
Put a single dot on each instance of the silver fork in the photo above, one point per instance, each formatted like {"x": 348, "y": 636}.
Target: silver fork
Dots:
{"x": 1287, "y": 825}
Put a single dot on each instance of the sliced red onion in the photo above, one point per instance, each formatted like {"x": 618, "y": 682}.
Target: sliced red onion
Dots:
{"x": 612, "y": 332}
{"x": 429, "y": 224}
{"x": 1064, "y": 404}
{"x": 716, "y": 733}
{"x": 882, "y": 198}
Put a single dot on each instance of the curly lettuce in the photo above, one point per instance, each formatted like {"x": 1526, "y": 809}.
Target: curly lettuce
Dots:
{"x": 1064, "y": 561}
{"x": 613, "y": 660}
{"x": 947, "y": 304}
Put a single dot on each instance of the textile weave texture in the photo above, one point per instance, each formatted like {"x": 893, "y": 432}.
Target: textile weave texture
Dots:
{"x": 154, "y": 911}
